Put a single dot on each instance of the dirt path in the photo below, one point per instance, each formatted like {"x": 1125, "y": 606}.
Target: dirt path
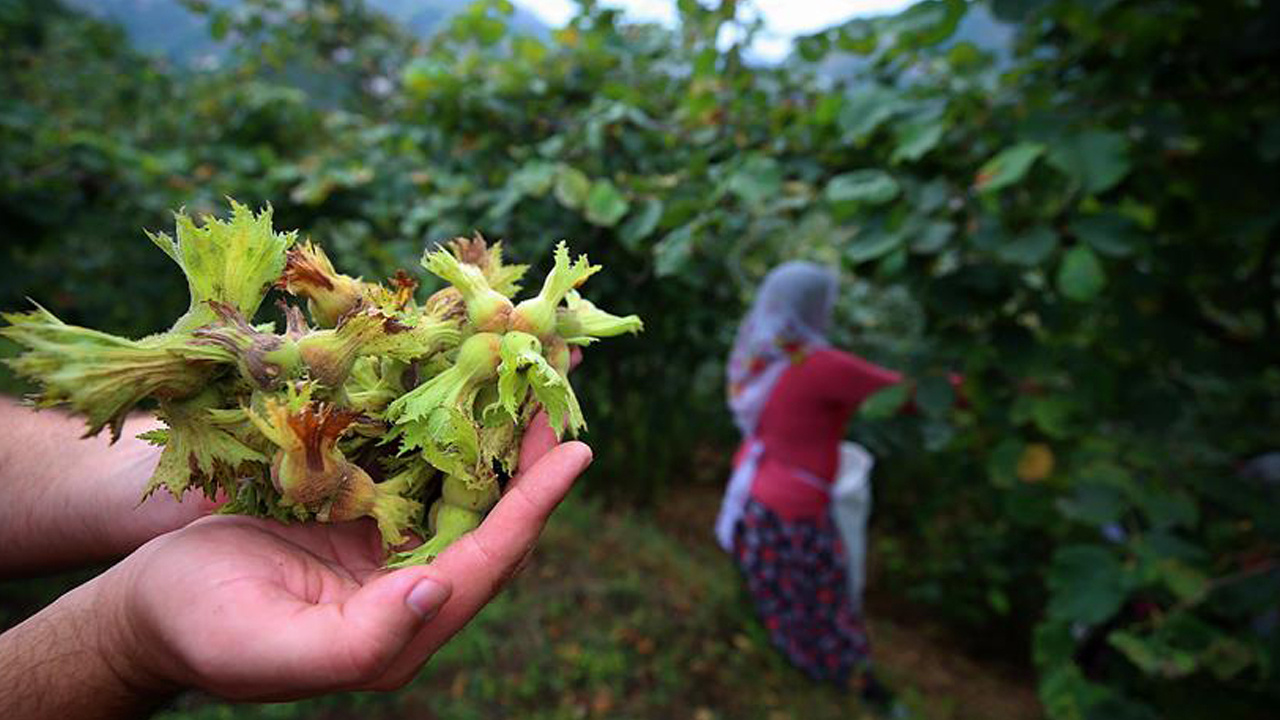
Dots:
{"x": 918, "y": 661}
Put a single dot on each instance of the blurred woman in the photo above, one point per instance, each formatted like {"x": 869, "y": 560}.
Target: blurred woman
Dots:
{"x": 792, "y": 395}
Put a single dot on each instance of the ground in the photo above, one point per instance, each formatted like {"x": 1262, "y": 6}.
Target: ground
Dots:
{"x": 628, "y": 615}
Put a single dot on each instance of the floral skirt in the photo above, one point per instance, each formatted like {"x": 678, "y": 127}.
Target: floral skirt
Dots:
{"x": 795, "y": 573}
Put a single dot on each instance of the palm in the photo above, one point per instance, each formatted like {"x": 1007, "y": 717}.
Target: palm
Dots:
{"x": 271, "y": 596}
{"x": 252, "y": 609}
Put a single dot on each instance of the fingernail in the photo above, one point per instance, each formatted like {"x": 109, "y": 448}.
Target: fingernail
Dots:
{"x": 426, "y": 597}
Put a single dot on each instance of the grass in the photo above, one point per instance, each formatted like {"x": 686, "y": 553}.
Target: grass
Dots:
{"x": 621, "y": 615}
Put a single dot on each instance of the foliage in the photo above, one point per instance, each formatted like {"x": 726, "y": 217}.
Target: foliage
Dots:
{"x": 1085, "y": 228}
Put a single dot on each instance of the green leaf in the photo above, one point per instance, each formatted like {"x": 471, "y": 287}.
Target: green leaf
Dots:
{"x": 858, "y": 36}
{"x": 1030, "y": 248}
{"x": 868, "y": 108}
{"x": 641, "y": 224}
{"x": 827, "y": 109}
{"x": 916, "y": 139}
{"x": 872, "y": 187}
{"x": 1227, "y": 657}
{"x": 1002, "y": 465}
{"x": 198, "y": 453}
{"x": 534, "y": 178}
{"x": 1109, "y": 233}
{"x": 813, "y": 47}
{"x": 1008, "y": 166}
{"x": 1052, "y": 415}
{"x": 872, "y": 243}
{"x": 1095, "y": 159}
{"x": 1168, "y": 508}
{"x": 925, "y": 23}
{"x": 758, "y": 180}
{"x": 605, "y": 205}
{"x": 231, "y": 261}
{"x": 933, "y": 237}
{"x": 1080, "y": 277}
{"x": 935, "y": 396}
{"x": 485, "y": 31}
{"x": 937, "y": 435}
{"x": 672, "y": 254}
{"x": 886, "y": 402}
{"x": 572, "y": 187}
{"x": 1153, "y": 657}
{"x": 1093, "y": 504}
{"x": 1187, "y": 583}
{"x": 1014, "y": 11}
{"x": 1087, "y": 584}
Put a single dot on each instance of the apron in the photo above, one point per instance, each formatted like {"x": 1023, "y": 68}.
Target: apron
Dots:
{"x": 850, "y": 505}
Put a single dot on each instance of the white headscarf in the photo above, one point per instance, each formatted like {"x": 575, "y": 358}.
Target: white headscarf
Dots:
{"x": 789, "y": 319}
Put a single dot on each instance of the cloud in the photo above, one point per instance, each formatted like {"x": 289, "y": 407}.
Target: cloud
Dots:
{"x": 784, "y": 19}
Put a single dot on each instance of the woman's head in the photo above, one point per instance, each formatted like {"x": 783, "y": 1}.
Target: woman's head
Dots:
{"x": 799, "y": 296}
{"x": 789, "y": 319}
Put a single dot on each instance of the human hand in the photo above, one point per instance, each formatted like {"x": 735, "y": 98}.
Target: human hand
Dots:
{"x": 250, "y": 609}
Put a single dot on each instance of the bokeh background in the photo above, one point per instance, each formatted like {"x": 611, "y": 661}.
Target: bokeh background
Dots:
{"x": 1074, "y": 203}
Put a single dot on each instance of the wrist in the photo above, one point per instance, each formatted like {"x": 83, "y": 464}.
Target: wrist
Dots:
{"x": 77, "y": 658}
{"x": 119, "y": 642}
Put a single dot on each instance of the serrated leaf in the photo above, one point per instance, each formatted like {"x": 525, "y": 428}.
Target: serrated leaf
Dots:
{"x": 198, "y": 453}
{"x": 233, "y": 262}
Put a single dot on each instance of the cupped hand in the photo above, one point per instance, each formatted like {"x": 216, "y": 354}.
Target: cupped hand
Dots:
{"x": 250, "y": 609}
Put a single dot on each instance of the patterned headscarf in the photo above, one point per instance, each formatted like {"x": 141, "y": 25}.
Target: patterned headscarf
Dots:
{"x": 789, "y": 320}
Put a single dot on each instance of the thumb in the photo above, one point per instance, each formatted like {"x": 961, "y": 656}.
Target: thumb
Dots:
{"x": 385, "y": 615}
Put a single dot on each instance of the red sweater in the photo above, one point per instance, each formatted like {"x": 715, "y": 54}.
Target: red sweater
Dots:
{"x": 802, "y": 425}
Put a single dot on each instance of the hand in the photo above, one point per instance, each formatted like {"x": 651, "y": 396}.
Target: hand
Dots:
{"x": 250, "y": 609}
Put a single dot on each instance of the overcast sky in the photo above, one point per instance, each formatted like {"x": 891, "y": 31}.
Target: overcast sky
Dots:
{"x": 784, "y": 19}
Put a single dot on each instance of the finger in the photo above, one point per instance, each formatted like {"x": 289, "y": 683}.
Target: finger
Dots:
{"x": 489, "y": 554}
{"x": 538, "y": 440}
{"x": 481, "y": 561}
{"x": 575, "y": 357}
{"x": 358, "y": 639}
